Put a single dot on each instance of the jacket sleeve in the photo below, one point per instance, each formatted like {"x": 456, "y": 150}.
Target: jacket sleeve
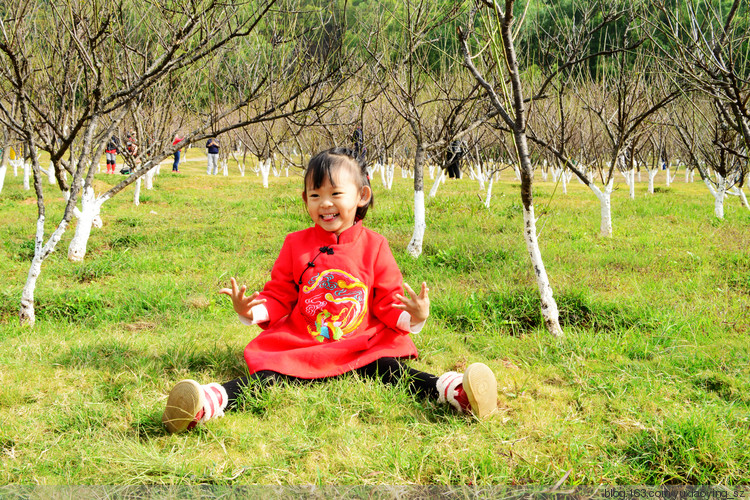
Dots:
{"x": 280, "y": 291}
{"x": 388, "y": 282}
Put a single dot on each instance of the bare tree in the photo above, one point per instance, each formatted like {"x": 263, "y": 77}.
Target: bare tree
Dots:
{"x": 707, "y": 49}
{"x": 511, "y": 108}
{"x": 408, "y": 81}
{"x": 75, "y": 89}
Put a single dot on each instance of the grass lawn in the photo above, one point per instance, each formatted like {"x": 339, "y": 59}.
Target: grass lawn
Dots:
{"x": 650, "y": 385}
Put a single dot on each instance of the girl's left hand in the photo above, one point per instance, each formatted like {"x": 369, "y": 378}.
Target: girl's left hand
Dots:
{"x": 417, "y": 305}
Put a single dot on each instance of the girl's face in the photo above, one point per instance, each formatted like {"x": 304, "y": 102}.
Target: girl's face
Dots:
{"x": 334, "y": 207}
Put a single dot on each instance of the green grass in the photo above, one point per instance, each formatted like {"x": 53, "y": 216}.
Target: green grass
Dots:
{"x": 650, "y": 384}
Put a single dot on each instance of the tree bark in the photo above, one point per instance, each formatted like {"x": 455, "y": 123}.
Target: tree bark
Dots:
{"x": 414, "y": 248}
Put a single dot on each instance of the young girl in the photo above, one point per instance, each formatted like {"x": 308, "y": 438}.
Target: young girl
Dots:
{"x": 334, "y": 305}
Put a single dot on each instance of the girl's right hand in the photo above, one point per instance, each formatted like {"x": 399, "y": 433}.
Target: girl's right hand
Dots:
{"x": 242, "y": 304}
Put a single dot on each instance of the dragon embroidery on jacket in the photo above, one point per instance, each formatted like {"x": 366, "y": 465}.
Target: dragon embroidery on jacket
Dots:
{"x": 333, "y": 303}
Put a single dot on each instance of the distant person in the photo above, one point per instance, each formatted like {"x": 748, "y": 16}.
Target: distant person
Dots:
{"x": 212, "y": 145}
{"x": 176, "y": 165}
{"x": 455, "y": 153}
{"x": 131, "y": 146}
{"x": 335, "y": 304}
{"x": 110, "y": 151}
{"x": 358, "y": 138}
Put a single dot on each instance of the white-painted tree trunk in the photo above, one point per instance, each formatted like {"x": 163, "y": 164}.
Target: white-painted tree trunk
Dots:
{"x": 550, "y": 312}
{"x": 224, "y": 167}
{"x": 632, "y": 184}
{"x": 719, "y": 192}
{"x": 88, "y": 216}
{"x": 137, "y": 192}
{"x": 669, "y": 177}
{"x": 517, "y": 171}
{"x": 489, "y": 193}
{"x": 15, "y": 164}
{"x": 387, "y": 172}
{"x": 564, "y": 179}
{"x": 651, "y": 175}
{"x": 743, "y": 198}
{"x": 51, "y": 173}
{"x": 26, "y": 175}
{"x": 150, "y": 178}
{"x": 265, "y": 169}
{"x": 3, "y": 171}
{"x": 420, "y": 226}
{"x": 436, "y": 184}
{"x": 605, "y": 203}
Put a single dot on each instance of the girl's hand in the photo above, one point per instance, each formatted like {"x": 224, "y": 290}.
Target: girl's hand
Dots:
{"x": 242, "y": 305}
{"x": 418, "y": 306}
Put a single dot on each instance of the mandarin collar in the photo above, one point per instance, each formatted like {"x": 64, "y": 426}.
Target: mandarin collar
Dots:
{"x": 349, "y": 236}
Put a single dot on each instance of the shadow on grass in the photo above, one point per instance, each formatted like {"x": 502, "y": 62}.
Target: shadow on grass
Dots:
{"x": 519, "y": 312}
{"x": 116, "y": 357}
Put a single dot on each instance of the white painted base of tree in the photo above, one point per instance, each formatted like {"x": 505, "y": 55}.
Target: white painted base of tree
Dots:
{"x": 15, "y": 164}
{"x": 719, "y": 192}
{"x": 137, "y": 192}
{"x": 414, "y": 248}
{"x": 88, "y": 216}
{"x": 651, "y": 176}
{"x": 605, "y": 203}
{"x": 550, "y": 313}
{"x": 265, "y": 170}
{"x": 149, "y": 177}
{"x": 26, "y": 176}
{"x": 3, "y": 171}
{"x": 26, "y": 313}
{"x": 436, "y": 184}
{"x": 489, "y": 193}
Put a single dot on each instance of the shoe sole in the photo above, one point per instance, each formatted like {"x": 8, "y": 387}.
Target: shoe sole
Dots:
{"x": 480, "y": 385}
{"x": 184, "y": 402}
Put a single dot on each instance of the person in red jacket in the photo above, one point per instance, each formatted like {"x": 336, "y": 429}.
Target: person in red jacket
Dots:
{"x": 176, "y": 164}
{"x": 335, "y": 304}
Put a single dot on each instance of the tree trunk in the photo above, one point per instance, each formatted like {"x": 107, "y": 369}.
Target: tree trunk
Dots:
{"x": 137, "y": 192}
{"x": 632, "y": 184}
{"x": 26, "y": 315}
{"x": 420, "y": 222}
{"x": 265, "y": 169}
{"x": 489, "y": 192}
{"x": 89, "y": 213}
{"x": 436, "y": 184}
{"x": 651, "y": 175}
{"x": 605, "y": 201}
{"x": 26, "y": 175}
{"x": 743, "y": 198}
{"x": 3, "y": 169}
{"x": 550, "y": 314}
{"x": 150, "y": 178}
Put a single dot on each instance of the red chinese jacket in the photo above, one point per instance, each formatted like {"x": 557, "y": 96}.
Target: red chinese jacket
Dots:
{"x": 329, "y": 304}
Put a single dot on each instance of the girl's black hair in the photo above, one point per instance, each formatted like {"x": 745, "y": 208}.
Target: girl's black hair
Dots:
{"x": 321, "y": 165}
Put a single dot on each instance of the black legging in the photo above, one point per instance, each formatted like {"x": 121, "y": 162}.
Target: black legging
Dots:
{"x": 389, "y": 370}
